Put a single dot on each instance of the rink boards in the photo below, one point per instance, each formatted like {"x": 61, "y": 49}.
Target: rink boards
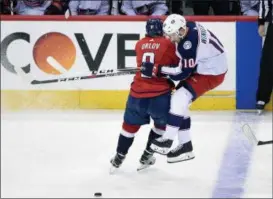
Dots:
{"x": 67, "y": 49}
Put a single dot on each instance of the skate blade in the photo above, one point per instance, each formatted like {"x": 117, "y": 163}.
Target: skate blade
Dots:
{"x": 113, "y": 170}
{"x": 161, "y": 151}
{"x": 143, "y": 166}
{"x": 181, "y": 158}
{"x": 260, "y": 112}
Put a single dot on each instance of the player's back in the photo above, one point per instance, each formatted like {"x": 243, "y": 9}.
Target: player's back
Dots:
{"x": 157, "y": 50}
{"x": 202, "y": 50}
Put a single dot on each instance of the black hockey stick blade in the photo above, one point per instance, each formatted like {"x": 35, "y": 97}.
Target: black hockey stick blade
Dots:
{"x": 265, "y": 142}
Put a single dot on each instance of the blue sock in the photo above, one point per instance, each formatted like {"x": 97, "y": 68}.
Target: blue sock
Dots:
{"x": 152, "y": 136}
{"x": 124, "y": 143}
{"x": 186, "y": 124}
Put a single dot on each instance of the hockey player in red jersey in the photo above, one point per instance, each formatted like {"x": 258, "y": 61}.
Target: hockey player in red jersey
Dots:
{"x": 149, "y": 97}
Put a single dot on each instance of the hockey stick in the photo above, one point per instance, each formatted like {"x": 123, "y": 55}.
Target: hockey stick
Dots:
{"x": 252, "y": 138}
{"x": 56, "y": 65}
{"x": 265, "y": 142}
{"x": 98, "y": 74}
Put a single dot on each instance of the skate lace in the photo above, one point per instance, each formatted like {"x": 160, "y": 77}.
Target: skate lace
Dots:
{"x": 162, "y": 139}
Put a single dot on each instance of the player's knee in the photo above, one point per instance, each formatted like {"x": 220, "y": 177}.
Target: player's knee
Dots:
{"x": 130, "y": 128}
{"x": 160, "y": 117}
{"x": 180, "y": 101}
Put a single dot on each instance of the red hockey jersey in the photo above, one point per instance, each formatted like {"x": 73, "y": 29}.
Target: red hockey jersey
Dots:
{"x": 157, "y": 50}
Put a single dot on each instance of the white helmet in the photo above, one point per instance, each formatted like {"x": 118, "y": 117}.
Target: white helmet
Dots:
{"x": 173, "y": 23}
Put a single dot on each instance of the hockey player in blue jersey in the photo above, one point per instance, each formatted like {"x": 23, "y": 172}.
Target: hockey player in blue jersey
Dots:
{"x": 202, "y": 67}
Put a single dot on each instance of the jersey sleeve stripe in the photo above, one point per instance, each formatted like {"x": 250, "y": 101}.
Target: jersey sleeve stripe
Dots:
{"x": 213, "y": 36}
{"x": 171, "y": 71}
{"x": 214, "y": 43}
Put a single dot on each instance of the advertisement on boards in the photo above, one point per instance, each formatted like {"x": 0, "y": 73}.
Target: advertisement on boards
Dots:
{"x": 83, "y": 55}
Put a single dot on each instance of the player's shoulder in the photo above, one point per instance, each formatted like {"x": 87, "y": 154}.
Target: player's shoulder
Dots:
{"x": 161, "y": 39}
{"x": 165, "y": 42}
{"x": 151, "y": 40}
{"x": 154, "y": 43}
{"x": 191, "y": 24}
{"x": 142, "y": 40}
{"x": 190, "y": 41}
{"x": 192, "y": 30}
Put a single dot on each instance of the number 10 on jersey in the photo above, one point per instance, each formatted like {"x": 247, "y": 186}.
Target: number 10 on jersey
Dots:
{"x": 188, "y": 63}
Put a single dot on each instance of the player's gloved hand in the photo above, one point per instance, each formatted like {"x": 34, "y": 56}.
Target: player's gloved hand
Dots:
{"x": 149, "y": 70}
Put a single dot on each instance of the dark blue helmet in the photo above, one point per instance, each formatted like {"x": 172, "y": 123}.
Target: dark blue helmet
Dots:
{"x": 154, "y": 27}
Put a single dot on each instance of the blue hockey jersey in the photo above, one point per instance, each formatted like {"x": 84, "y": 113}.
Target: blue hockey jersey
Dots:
{"x": 200, "y": 51}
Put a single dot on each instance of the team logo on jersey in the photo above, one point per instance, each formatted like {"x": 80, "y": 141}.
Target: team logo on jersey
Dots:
{"x": 187, "y": 45}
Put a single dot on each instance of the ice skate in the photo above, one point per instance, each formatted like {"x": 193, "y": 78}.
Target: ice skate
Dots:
{"x": 147, "y": 159}
{"x": 116, "y": 162}
{"x": 181, "y": 153}
{"x": 161, "y": 145}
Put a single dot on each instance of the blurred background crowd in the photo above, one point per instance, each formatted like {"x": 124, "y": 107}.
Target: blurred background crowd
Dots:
{"x": 130, "y": 7}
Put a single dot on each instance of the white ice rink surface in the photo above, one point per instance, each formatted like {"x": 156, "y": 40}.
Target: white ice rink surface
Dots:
{"x": 66, "y": 154}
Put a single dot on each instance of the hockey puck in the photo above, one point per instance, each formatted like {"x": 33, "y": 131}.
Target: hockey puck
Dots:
{"x": 97, "y": 194}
